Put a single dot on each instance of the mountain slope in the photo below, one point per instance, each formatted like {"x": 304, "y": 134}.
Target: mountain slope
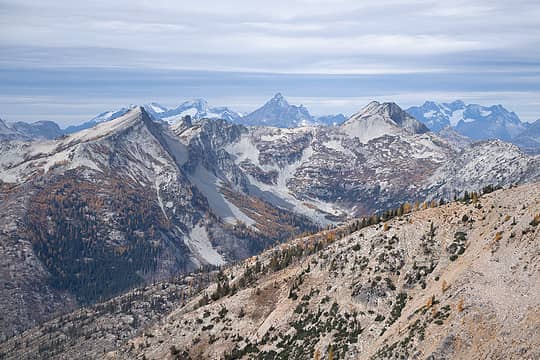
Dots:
{"x": 152, "y": 200}
{"x": 428, "y": 284}
{"x": 368, "y": 164}
{"x": 529, "y": 140}
{"x": 101, "y": 118}
{"x": 453, "y": 281}
{"x": 111, "y": 207}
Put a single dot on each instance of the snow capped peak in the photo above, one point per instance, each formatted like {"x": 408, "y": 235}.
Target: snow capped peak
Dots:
{"x": 277, "y": 112}
{"x": 278, "y": 100}
{"x": 198, "y": 109}
{"x": 155, "y": 108}
{"x": 110, "y": 115}
{"x": 101, "y": 118}
{"x": 200, "y": 104}
{"x": 475, "y": 121}
{"x": 371, "y": 106}
{"x": 456, "y": 104}
{"x": 390, "y": 111}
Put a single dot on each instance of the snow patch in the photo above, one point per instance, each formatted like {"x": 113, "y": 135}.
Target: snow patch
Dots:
{"x": 209, "y": 185}
{"x": 456, "y": 117}
{"x": 200, "y": 245}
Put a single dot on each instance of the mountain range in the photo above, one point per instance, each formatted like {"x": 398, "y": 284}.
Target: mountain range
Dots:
{"x": 456, "y": 121}
{"x": 39, "y": 130}
{"x": 478, "y": 122}
{"x": 134, "y": 200}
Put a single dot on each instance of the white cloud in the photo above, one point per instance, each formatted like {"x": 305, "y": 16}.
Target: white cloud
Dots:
{"x": 279, "y": 36}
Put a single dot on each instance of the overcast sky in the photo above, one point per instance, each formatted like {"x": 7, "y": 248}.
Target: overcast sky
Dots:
{"x": 68, "y": 60}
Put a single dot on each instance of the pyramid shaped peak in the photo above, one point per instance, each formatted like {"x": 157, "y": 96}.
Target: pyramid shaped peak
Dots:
{"x": 376, "y": 119}
{"x": 278, "y": 99}
{"x": 387, "y": 108}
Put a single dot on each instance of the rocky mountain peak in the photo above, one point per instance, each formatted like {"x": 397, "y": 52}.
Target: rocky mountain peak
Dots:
{"x": 278, "y": 100}
{"x": 377, "y": 119}
{"x": 278, "y": 112}
{"x": 198, "y": 103}
{"x": 472, "y": 120}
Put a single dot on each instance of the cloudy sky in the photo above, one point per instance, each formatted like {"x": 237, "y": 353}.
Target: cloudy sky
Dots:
{"x": 68, "y": 60}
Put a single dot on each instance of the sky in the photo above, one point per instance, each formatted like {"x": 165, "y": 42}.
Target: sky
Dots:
{"x": 68, "y": 60}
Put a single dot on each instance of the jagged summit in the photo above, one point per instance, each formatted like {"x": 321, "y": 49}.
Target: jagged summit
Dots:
{"x": 277, "y": 112}
{"x": 390, "y": 110}
{"x": 377, "y": 119}
{"x": 155, "y": 109}
{"x": 279, "y": 100}
{"x": 475, "y": 121}
{"x": 198, "y": 109}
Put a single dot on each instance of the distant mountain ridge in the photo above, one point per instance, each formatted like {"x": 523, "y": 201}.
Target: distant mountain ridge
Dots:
{"x": 277, "y": 112}
{"x": 475, "y": 121}
{"x": 28, "y": 131}
{"x": 529, "y": 140}
{"x": 455, "y": 121}
{"x": 196, "y": 109}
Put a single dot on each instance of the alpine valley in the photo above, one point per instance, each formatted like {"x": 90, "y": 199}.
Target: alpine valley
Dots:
{"x": 127, "y": 218}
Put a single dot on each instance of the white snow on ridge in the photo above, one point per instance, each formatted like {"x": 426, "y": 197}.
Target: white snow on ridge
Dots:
{"x": 485, "y": 113}
{"x": 209, "y": 185}
{"x": 456, "y": 117}
{"x": 157, "y": 109}
{"x": 244, "y": 149}
{"x": 199, "y": 244}
{"x": 429, "y": 114}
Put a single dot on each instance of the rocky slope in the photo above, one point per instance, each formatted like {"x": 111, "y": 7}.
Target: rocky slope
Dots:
{"x": 378, "y": 158}
{"x": 111, "y": 207}
{"x": 452, "y": 281}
